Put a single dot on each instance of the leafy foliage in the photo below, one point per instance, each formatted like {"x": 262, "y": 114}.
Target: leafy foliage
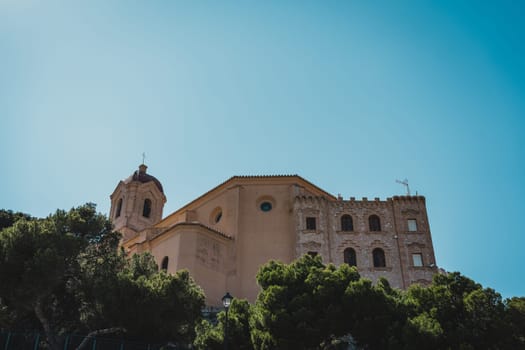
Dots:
{"x": 164, "y": 306}
{"x": 311, "y": 306}
{"x": 455, "y": 312}
{"x": 8, "y": 218}
{"x": 299, "y": 306}
{"x": 212, "y": 337}
{"x": 514, "y": 319}
{"x": 66, "y": 273}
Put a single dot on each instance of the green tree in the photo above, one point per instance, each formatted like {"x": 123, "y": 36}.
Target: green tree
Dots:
{"x": 210, "y": 337}
{"x": 455, "y": 312}
{"x": 515, "y": 323}
{"x": 66, "y": 272}
{"x": 375, "y": 314}
{"x": 35, "y": 258}
{"x": 300, "y": 304}
{"x": 8, "y": 218}
{"x": 165, "y": 307}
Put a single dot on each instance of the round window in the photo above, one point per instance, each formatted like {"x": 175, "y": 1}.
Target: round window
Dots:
{"x": 266, "y": 206}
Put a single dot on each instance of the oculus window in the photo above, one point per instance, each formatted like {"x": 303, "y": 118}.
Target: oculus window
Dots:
{"x": 266, "y": 206}
{"x": 216, "y": 216}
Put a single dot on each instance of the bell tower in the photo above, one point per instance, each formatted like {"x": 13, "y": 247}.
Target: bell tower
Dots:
{"x": 137, "y": 203}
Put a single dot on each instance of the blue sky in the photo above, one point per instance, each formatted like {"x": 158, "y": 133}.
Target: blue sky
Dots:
{"x": 351, "y": 95}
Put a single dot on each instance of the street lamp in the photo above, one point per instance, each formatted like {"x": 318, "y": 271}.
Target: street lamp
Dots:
{"x": 226, "y": 301}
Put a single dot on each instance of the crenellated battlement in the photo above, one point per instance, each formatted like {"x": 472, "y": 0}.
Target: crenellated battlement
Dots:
{"x": 310, "y": 200}
{"x": 397, "y": 226}
{"x": 364, "y": 202}
{"x": 407, "y": 198}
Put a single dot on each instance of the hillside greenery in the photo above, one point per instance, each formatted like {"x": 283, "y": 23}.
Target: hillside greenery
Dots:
{"x": 65, "y": 274}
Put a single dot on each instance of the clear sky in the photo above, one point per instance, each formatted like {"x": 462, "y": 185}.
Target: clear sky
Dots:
{"x": 351, "y": 95}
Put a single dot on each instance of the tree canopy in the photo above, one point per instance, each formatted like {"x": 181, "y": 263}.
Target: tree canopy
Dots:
{"x": 65, "y": 273}
{"x": 309, "y": 305}
{"x": 211, "y": 337}
{"x": 8, "y": 218}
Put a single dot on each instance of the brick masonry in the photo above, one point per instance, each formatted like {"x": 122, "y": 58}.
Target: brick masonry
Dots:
{"x": 398, "y": 243}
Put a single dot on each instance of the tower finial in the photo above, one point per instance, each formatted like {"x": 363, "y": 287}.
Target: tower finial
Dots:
{"x": 143, "y": 157}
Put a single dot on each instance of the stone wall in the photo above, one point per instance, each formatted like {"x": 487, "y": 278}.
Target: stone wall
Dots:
{"x": 329, "y": 240}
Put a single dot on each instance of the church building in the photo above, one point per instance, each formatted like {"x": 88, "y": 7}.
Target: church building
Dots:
{"x": 223, "y": 236}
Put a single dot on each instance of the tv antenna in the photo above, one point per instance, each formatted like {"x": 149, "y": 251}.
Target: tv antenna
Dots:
{"x": 404, "y": 183}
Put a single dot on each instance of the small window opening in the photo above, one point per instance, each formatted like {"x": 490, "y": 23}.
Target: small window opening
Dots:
{"x": 379, "y": 257}
{"x": 312, "y": 254}
{"x": 310, "y": 223}
{"x": 146, "y": 211}
{"x": 349, "y": 256}
{"x": 374, "y": 223}
{"x": 218, "y": 217}
{"x": 417, "y": 259}
{"x": 165, "y": 262}
{"x": 347, "y": 223}
{"x": 412, "y": 225}
{"x": 119, "y": 208}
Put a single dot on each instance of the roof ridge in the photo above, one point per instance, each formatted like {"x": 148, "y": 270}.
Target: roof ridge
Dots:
{"x": 225, "y": 235}
{"x": 271, "y": 175}
{"x": 235, "y": 177}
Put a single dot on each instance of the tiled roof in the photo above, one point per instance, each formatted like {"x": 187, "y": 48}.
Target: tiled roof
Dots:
{"x": 144, "y": 177}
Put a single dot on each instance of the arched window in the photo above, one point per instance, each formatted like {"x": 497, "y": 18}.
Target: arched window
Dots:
{"x": 165, "y": 262}
{"x": 347, "y": 224}
{"x": 119, "y": 208}
{"x": 146, "y": 211}
{"x": 349, "y": 255}
{"x": 379, "y": 257}
{"x": 374, "y": 223}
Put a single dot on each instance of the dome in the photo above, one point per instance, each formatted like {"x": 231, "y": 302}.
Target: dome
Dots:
{"x": 141, "y": 176}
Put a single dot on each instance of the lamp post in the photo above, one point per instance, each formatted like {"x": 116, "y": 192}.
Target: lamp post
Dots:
{"x": 226, "y": 301}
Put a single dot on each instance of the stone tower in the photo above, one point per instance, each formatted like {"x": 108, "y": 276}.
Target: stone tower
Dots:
{"x": 137, "y": 203}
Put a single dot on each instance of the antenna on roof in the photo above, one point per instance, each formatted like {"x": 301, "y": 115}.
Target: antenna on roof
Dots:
{"x": 405, "y": 183}
{"x": 143, "y": 157}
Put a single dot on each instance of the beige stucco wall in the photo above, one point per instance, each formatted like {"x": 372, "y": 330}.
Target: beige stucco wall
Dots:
{"x": 262, "y": 235}
{"x": 204, "y": 211}
{"x": 207, "y": 256}
{"x": 133, "y": 195}
{"x": 168, "y": 245}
